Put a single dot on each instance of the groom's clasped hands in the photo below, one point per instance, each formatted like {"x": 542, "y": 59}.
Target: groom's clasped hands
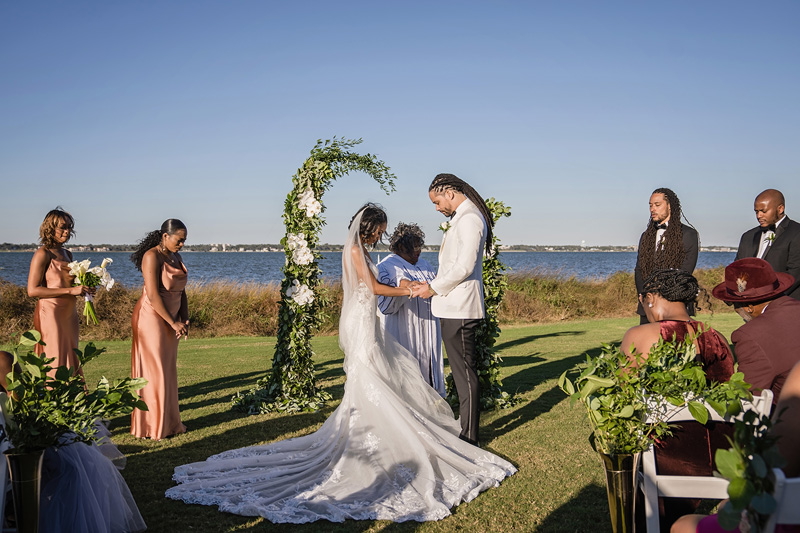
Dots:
{"x": 418, "y": 289}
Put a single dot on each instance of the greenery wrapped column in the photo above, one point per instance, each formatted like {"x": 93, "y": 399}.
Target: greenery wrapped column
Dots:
{"x": 290, "y": 386}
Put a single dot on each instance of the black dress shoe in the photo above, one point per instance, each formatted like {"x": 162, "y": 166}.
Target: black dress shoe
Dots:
{"x": 476, "y": 443}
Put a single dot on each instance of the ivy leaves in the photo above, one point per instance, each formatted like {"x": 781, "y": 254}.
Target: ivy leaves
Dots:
{"x": 43, "y": 410}
{"x": 628, "y": 402}
{"x": 748, "y": 466}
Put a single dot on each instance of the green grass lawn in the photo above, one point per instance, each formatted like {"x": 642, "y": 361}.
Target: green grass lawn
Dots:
{"x": 559, "y": 486}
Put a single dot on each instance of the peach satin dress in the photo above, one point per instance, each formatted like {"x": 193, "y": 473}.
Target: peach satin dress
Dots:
{"x": 154, "y": 356}
{"x": 57, "y": 318}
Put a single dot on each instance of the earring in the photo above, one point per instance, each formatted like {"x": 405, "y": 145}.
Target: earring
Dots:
{"x": 650, "y": 305}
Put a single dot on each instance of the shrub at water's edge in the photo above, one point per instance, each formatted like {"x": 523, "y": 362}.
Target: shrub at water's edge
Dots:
{"x": 224, "y": 308}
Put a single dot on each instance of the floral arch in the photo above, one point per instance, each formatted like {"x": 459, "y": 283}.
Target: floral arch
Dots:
{"x": 290, "y": 386}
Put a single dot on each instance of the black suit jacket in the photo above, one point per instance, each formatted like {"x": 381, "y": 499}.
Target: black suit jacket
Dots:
{"x": 783, "y": 253}
{"x": 691, "y": 247}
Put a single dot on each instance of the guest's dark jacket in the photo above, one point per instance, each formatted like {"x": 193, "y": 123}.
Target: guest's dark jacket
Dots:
{"x": 691, "y": 246}
{"x": 768, "y": 346}
{"x": 783, "y": 254}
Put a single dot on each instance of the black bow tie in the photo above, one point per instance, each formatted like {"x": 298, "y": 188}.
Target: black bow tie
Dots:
{"x": 771, "y": 228}
{"x": 663, "y": 225}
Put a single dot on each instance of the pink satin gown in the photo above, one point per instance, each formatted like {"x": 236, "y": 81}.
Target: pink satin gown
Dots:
{"x": 57, "y": 318}
{"x": 154, "y": 356}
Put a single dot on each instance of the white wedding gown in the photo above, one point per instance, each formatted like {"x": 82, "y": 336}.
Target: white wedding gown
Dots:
{"x": 390, "y": 451}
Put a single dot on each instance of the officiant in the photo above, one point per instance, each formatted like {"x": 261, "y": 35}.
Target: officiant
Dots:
{"x": 409, "y": 320}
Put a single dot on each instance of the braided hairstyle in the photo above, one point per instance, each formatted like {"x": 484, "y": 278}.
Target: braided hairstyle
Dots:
{"x": 371, "y": 221}
{"x": 153, "y": 239}
{"x": 670, "y": 253}
{"x": 406, "y": 238}
{"x": 444, "y": 182}
{"x": 675, "y": 285}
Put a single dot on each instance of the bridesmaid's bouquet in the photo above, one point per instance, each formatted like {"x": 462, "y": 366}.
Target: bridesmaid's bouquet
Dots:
{"x": 90, "y": 276}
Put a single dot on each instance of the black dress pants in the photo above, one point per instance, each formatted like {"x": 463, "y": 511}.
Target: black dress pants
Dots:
{"x": 458, "y": 336}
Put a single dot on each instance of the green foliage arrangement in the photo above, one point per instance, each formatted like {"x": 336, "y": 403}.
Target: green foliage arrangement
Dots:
{"x": 629, "y": 402}
{"x": 290, "y": 386}
{"x": 748, "y": 465}
{"x": 495, "y": 285}
{"x": 41, "y": 410}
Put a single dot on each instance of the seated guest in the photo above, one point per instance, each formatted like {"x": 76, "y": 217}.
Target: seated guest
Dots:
{"x": 409, "y": 320}
{"x": 767, "y": 346}
{"x": 664, "y": 297}
{"x": 690, "y": 450}
{"x": 787, "y": 428}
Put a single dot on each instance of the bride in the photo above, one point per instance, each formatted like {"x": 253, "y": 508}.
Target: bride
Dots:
{"x": 390, "y": 451}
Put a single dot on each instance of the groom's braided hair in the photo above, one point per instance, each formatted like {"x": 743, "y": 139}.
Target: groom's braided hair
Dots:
{"x": 443, "y": 182}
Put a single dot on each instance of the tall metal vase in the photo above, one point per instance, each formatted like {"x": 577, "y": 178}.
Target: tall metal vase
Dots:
{"x": 621, "y": 488}
{"x": 26, "y": 476}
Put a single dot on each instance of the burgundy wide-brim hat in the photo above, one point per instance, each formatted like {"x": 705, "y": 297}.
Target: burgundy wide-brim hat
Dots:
{"x": 751, "y": 280}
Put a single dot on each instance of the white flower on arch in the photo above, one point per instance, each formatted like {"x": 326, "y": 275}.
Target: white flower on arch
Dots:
{"x": 307, "y": 201}
{"x": 300, "y": 293}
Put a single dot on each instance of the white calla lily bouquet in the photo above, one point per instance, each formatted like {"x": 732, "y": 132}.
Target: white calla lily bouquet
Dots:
{"x": 89, "y": 276}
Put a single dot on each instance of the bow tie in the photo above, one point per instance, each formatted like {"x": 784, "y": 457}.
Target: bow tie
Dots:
{"x": 663, "y": 225}
{"x": 771, "y": 228}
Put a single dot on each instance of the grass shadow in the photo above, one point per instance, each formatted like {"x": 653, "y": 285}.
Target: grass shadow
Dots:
{"x": 531, "y": 338}
{"x": 589, "y": 506}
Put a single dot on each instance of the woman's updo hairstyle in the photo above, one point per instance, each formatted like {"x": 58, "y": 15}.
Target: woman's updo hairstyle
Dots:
{"x": 152, "y": 239}
{"x": 675, "y": 286}
{"x": 374, "y": 216}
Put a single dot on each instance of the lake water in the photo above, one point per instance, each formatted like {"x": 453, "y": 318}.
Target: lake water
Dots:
{"x": 265, "y": 267}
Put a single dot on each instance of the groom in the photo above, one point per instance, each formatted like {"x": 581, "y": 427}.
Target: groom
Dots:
{"x": 457, "y": 290}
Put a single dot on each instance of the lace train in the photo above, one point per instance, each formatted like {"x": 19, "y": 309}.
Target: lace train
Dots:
{"x": 390, "y": 451}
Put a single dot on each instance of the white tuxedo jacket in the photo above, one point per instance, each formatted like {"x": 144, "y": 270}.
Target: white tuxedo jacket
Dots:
{"x": 459, "y": 280}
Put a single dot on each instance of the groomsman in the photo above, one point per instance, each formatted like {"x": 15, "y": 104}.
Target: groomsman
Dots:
{"x": 457, "y": 290}
{"x": 666, "y": 243}
{"x": 776, "y": 239}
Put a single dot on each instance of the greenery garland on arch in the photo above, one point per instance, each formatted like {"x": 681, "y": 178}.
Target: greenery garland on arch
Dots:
{"x": 290, "y": 386}
{"x": 495, "y": 285}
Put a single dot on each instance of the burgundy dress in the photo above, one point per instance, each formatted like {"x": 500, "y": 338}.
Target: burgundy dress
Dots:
{"x": 57, "y": 318}
{"x": 154, "y": 356}
{"x": 713, "y": 350}
{"x": 691, "y": 448}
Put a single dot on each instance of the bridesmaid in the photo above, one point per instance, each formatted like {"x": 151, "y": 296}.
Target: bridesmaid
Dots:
{"x": 160, "y": 319}
{"x": 49, "y": 280}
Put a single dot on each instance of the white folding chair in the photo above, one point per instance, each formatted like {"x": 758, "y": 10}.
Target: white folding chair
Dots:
{"x": 655, "y": 485}
{"x": 787, "y": 494}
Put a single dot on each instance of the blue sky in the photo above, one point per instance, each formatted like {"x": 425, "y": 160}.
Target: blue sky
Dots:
{"x": 129, "y": 112}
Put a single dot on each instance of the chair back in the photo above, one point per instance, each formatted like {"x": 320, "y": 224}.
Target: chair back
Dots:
{"x": 655, "y": 485}
{"x": 787, "y": 494}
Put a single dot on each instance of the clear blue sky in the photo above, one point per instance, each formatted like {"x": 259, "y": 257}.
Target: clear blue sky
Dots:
{"x": 130, "y": 112}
